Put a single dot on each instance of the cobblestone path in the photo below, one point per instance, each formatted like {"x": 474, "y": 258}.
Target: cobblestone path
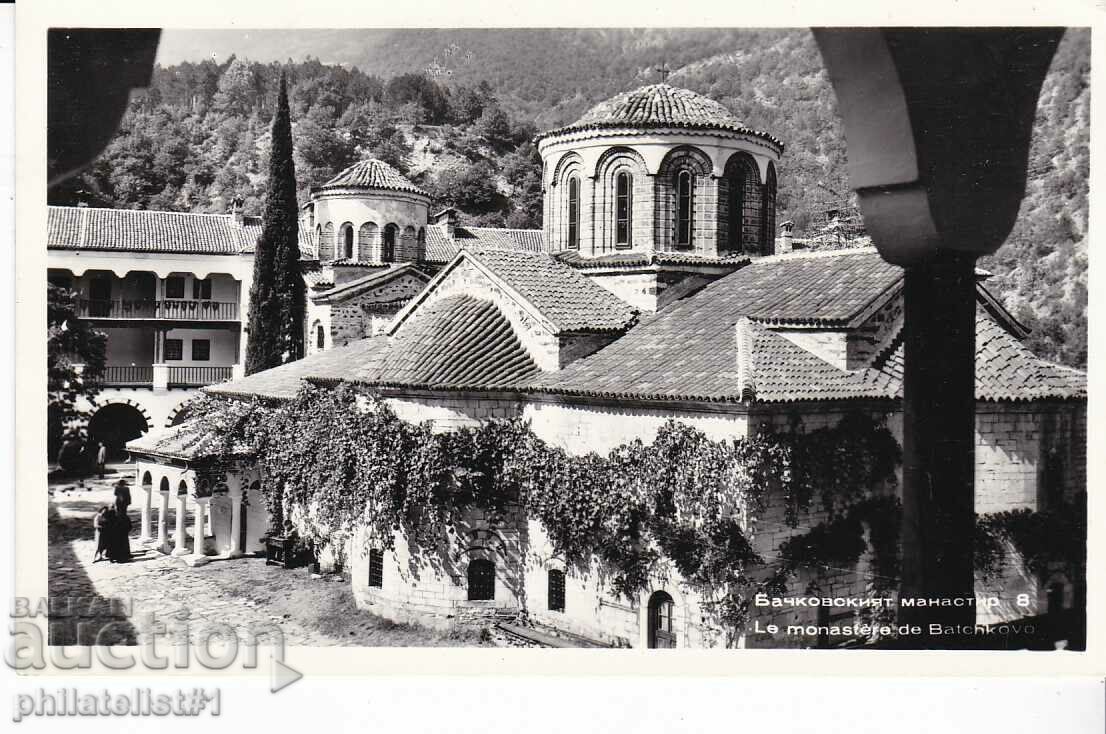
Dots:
{"x": 112, "y": 601}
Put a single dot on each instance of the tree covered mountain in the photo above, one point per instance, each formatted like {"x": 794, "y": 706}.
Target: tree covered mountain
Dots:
{"x": 456, "y": 110}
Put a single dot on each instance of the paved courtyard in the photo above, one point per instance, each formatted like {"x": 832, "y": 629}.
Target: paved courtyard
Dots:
{"x": 111, "y": 600}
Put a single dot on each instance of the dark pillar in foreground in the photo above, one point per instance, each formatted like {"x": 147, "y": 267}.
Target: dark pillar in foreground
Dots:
{"x": 938, "y": 123}
{"x": 938, "y": 440}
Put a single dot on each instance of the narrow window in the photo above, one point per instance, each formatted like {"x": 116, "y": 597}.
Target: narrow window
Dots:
{"x": 376, "y": 567}
{"x": 174, "y": 287}
{"x": 349, "y": 242}
{"x": 556, "y": 591}
{"x": 201, "y": 350}
{"x": 481, "y": 578}
{"x": 388, "y": 250}
{"x": 573, "y": 213}
{"x": 683, "y": 209}
{"x": 174, "y": 350}
{"x": 320, "y": 337}
{"x": 623, "y": 197}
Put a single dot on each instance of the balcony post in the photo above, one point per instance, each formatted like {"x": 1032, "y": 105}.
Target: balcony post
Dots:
{"x": 161, "y": 376}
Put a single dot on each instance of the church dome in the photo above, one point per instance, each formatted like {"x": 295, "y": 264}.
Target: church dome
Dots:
{"x": 371, "y": 174}
{"x": 660, "y": 106}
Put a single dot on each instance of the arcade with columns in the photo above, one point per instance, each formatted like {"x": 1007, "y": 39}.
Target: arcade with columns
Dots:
{"x": 226, "y": 513}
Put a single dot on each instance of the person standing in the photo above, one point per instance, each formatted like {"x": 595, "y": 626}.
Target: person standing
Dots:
{"x": 123, "y": 522}
{"x": 99, "y": 524}
{"x": 101, "y": 458}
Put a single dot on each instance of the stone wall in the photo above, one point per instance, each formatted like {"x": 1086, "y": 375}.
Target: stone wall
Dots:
{"x": 429, "y": 586}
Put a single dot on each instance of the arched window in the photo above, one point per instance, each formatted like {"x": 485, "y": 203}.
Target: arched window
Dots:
{"x": 164, "y": 486}
{"x": 318, "y": 241}
{"x": 744, "y": 205}
{"x": 320, "y": 337}
{"x": 421, "y": 240}
{"x": 684, "y": 203}
{"x": 574, "y": 213}
{"x": 661, "y": 630}
{"x": 347, "y": 244}
{"x": 623, "y": 209}
{"x": 556, "y": 590}
{"x": 388, "y": 246}
{"x": 768, "y": 220}
{"x": 481, "y": 580}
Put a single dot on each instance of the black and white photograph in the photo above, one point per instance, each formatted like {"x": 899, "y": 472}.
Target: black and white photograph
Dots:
{"x": 699, "y": 338}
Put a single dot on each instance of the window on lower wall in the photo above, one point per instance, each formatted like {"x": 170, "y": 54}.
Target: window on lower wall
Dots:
{"x": 376, "y": 567}
{"x": 320, "y": 337}
{"x": 481, "y": 578}
{"x": 174, "y": 350}
{"x": 556, "y": 591}
{"x": 201, "y": 350}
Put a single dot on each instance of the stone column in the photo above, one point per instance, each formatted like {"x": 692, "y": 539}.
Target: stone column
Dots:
{"x": 147, "y": 492}
{"x": 179, "y": 548}
{"x": 198, "y": 558}
{"x": 163, "y": 522}
{"x": 235, "y": 495}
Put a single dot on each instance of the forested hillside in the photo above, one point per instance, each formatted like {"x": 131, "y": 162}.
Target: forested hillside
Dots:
{"x": 456, "y": 111}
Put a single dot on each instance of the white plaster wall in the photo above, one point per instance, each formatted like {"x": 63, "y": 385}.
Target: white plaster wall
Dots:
{"x": 580, "y": 428}
{"x": 831, "y": 346}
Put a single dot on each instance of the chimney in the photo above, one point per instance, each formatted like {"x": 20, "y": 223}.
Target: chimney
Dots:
{"x": 448, "y": 217}
{"x": 783, "y": 243}
{"x": 236, "y": 210}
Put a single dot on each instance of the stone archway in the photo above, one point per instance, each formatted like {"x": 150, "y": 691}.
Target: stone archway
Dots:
{"x": 114, "y": 424}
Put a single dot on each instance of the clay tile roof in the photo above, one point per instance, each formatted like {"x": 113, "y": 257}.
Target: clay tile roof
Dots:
{"x": 641, "y": 259}
{"x": 137, "y": 230}
{"x": 1007, "y": 370}
{"x": 284, "y": 382}
{"x": 459, "y": 342}
{"x": 375, "y": 279}
{"x": 688, "y": 350}
{"x": 571, "y": 301}
{"x": 440, "y": 248}
{"x": 191, "y": 440}
{"x": 660, "y": 106}
{"x": 372, "y": 174}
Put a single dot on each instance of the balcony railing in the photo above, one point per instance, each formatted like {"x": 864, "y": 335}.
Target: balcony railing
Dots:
{"x": 171, "y": 310}
{"x": 126, "y": 376}
{"x": 198, "y": 376}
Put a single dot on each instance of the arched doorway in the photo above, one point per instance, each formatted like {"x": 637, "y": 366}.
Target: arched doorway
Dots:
{"x": 662, "y": 632}
{"x": 114, "y": 425}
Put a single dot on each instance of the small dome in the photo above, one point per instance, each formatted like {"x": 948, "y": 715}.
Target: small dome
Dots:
{"x": 372, "y": 174}
{"x": 660, "y": 106}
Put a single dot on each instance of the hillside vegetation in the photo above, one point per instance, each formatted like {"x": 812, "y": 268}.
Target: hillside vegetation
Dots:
{"x": 456, "y": 111}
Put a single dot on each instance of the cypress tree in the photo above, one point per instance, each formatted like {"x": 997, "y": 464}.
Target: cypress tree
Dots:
{"x": 278, "y": 293}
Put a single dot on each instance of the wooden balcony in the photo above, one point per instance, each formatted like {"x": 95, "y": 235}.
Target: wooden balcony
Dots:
{"x": 198, "y": 376}
{"x": 126, "y": 376}
{"x": 146, "y": 310}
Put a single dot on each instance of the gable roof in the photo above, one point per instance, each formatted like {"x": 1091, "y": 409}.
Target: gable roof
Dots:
{"x": 142, "y": 230}
{"x": 441, "y": 248}
{"x": 283, "y": 382}
{"x": 190, "y": 440}
{"x": 569, "y": 301}
{"x": 456, "y": 343}
{"x": 660, "y": 106}
{"x": 372, "y": 174}
{"x": 357, "y": 286}
{"x": 693, "y": 350}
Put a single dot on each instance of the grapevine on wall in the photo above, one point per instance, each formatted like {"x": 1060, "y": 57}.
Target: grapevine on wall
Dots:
{"x": 682, "y": 501}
